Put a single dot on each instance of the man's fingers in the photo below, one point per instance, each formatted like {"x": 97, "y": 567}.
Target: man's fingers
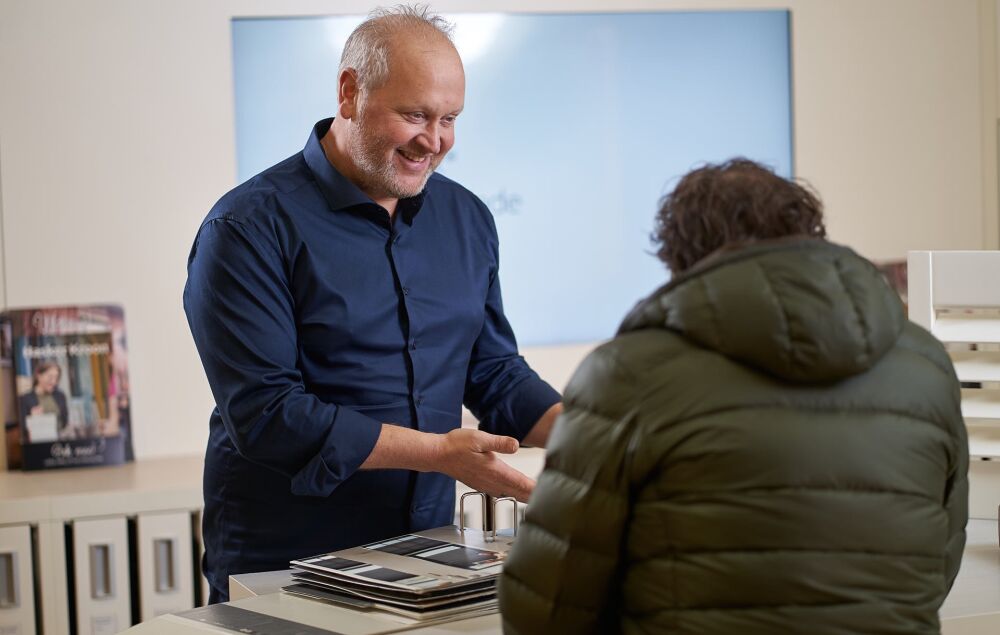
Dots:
{"x": 494, "y": 443}
{"x": 524, "y": 491}
{"x": 515, "y": 484}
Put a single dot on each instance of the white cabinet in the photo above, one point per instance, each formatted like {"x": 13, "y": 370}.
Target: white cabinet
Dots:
{"x": 166, "y": 553}
{"x": 85, "y": 584}
{"x": 17, "y": 592}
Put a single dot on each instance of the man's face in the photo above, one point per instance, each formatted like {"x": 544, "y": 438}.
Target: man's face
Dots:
{"x": 403, "y": 129}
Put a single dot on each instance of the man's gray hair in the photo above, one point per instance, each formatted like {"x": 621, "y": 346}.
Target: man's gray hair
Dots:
{"x": 367, "y": 49}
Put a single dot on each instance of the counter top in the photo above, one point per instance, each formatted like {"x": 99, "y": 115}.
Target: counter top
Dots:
{"x": 972, "y": 608}
{"x": 31, "y": 497}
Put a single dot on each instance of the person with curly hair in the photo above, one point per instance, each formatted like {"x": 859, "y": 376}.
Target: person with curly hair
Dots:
{"x": 768, "y": 445}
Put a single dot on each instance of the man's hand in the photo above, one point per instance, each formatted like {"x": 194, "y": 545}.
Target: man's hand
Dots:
{"x": 470, "y": 457}
{"x": 466, "y": 455}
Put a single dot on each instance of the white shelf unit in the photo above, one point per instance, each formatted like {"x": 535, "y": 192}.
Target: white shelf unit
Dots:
{"x": 956, "y": 296}
{"x": 85, "y": 527}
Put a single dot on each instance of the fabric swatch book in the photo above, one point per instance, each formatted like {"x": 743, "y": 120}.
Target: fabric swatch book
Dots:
{"x": 442, "y": 573}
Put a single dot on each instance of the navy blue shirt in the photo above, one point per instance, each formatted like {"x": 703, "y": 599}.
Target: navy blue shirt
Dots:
{"x": 317, "y": 318}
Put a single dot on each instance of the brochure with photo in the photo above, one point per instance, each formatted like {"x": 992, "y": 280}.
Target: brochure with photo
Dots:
{"x": 66, "y": 388}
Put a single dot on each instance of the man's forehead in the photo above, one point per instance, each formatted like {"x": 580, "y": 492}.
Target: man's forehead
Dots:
{"x": 414, "y": 69}
{"x": 436, "y": 51}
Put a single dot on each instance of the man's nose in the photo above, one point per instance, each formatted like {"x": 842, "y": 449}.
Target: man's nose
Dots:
{"x": 430, "y": 138}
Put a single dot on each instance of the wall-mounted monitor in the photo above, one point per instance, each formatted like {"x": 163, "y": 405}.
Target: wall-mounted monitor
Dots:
{"x": 575, "y": 125}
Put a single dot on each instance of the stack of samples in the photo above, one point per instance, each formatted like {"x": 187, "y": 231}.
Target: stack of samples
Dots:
{"x": 441, "y": 574}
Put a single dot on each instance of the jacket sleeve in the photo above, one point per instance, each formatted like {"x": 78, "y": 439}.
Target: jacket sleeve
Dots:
{"x": 563, "y": 575}
{"x": 501, "y": 390}
{"x": 239, "y": 306}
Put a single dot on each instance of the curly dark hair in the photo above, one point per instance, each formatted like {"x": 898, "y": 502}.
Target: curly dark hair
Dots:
{"x": 730, "y": 204}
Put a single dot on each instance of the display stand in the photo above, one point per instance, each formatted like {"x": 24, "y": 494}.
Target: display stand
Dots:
{"x": 956, "y": 296}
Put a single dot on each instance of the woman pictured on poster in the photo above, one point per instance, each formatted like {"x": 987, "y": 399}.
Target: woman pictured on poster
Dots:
{"x": 45, "y": 398}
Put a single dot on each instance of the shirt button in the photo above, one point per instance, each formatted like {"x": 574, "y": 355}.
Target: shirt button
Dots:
{"x": 420, "y": 400}
{"x": 406, "y": 290}
{"x": 413, "y": 345}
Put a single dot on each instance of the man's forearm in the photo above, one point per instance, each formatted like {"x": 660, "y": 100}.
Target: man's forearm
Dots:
{"x": 538, "y": 436}
{"x": 404, "y": 448}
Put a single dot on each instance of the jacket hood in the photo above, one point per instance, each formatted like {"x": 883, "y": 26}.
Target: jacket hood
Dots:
{"x": 804, "y": 310}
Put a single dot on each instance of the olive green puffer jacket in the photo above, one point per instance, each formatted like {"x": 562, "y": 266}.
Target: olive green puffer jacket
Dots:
{"x": 767, "y": 446}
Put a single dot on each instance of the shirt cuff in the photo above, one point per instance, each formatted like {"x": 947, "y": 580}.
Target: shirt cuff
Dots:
{"x": 351, "y": 439}
{"x": 523, "y": 406}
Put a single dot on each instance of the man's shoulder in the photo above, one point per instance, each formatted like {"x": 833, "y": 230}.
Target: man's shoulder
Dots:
{"x": 440, "y": 181}
{"x": 463, "y": 208}
{"x": 441, "y": 186}
{"x": 259, "y": 195}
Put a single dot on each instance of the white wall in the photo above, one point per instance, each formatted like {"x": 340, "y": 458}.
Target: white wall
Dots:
{"x": 117, "y": 133}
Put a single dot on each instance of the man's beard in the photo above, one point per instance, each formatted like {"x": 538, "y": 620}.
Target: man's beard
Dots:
{"x": 378, "y": 175}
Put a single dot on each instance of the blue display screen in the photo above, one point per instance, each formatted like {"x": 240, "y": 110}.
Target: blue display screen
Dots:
{"x": 575, "y": 125}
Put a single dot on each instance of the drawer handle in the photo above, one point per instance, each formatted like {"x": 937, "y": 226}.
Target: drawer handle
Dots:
{"x": 163, "y": 565}
{"x": 102, "y": 584}
{"x": 8, "y": 580}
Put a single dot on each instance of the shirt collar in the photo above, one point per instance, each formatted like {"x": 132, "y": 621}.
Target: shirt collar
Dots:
{"x": 340, "y": 193}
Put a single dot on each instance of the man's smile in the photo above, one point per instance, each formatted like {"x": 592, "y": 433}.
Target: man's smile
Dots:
{"x": 416, "y": 159}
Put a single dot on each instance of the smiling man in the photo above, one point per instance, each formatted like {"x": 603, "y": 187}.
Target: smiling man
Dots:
{"x": 345, "y": 304}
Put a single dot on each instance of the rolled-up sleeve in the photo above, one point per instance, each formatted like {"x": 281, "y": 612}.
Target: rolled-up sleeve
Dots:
{"x": 501, "y": 390}
{"x": 241, "y": 313}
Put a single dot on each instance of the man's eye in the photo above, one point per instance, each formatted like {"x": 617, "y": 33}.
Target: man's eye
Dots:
{"x": 417, "y": 116}
{"x": 449, "y": 120}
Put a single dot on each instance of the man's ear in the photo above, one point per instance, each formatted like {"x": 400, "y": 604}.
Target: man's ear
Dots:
{"x": 347, "y": 93}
